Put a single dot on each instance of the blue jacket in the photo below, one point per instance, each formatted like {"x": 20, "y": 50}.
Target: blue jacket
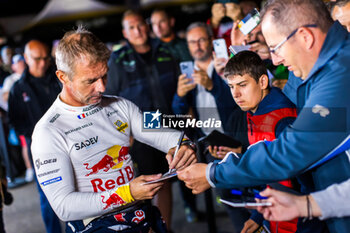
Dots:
{"x": 322, "y": 124}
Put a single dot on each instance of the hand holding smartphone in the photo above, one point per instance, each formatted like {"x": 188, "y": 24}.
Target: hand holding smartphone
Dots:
{"x": 220, "y": 48}
{"x": 249, "y": 22}
{"x": 187, "y": 68}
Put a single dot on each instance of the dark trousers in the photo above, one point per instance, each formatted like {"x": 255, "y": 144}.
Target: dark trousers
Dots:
{"x": 138, "y": 218}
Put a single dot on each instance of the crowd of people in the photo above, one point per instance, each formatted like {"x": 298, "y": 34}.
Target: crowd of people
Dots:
{"x": 78, "y": 114}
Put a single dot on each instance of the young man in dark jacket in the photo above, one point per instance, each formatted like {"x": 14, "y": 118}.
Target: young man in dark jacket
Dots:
{"x": 269, "y": 112}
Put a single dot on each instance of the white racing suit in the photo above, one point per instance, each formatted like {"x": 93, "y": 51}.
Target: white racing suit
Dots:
{"x": 81, "y": 155}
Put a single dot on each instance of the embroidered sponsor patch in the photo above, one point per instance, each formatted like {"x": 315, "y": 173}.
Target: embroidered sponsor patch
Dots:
{"x": 139, "y": 216}
{"x": 78, "y": 128}
{"x": 39, "y": 163}
{"x": 110, "y": 113}
{"x": 112, "y": 160}
{"x": 51, "y": 181}
{"x": 48, "y": 173}
{"x": 54, "y": 118}
{"x": 93, "y": 111}
{"x": 113, "y": 199}
{"x": 86, "y": 143}
{"x": 121, "y": 126}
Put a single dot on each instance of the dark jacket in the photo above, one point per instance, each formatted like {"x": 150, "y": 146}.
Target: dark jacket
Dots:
{"x": 25, "y": 106}
{"x": 178, "y": 49}
{"x": 232, "y": 117}
{"x": 149, "y": 86}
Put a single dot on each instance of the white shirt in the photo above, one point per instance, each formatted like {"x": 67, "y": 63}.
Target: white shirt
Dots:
{"x": 81, "y": 154}
{"x": 205, "y": 103}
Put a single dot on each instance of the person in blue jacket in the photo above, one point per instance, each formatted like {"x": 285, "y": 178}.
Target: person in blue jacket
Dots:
{"x": 302, "y": 36}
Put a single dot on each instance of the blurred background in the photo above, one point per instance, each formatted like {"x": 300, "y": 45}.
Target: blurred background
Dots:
{"x": 47, "y": 20}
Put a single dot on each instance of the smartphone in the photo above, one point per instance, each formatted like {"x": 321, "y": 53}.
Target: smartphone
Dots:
{"x": 249, "y": 22}
{"x": 220, "y": 48}
{"x": 187, "y": 68}
{"x": 239, "y": 203}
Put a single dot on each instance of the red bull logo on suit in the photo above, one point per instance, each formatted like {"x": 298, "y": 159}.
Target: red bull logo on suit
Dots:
{"x": 112, "y": 160}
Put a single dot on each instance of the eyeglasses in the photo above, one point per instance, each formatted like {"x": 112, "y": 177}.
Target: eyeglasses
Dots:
{"x": 274, "y": 50}
{"x": 200, "y": 41}
{"x": 38, "y": 59}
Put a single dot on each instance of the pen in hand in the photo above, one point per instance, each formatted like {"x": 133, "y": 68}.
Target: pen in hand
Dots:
{"x": 176, "y": 150}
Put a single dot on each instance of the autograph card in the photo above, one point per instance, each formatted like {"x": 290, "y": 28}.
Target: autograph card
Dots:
{"x": 164, "y": 177}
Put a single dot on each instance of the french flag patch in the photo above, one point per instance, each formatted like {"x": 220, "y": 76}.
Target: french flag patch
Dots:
{"x": 81, "y": 116}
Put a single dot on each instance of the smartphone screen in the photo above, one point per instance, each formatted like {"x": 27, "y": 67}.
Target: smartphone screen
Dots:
{"x": 187, "y": 68}
{"x": 220, "y": 48}
{"x": 249, "y": 22}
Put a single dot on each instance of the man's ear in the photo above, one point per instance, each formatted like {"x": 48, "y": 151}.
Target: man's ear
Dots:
{"x": 62, "y": 76}
{"x": 307, "y": 36}
{"x": 264, "y": 81}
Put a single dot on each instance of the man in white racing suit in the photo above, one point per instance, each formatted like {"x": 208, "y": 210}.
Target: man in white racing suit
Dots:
{"x": 81, "y": 146}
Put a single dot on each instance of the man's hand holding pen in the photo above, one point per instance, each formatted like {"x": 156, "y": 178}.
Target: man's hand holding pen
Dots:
{"x": 185, "y": 156}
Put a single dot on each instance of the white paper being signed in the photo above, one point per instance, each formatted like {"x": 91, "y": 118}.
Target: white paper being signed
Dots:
{"x": 164, "y": 177}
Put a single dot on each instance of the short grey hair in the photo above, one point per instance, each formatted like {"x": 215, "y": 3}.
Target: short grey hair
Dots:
{"x": 77, "y": 45}
{"x": 206, "y": 27}
{"x": 288, "y": 15}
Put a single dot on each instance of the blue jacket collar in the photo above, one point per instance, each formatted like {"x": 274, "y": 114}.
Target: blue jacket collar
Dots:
{"x": 273, "y": 101}
{"x": 335, "y": 38}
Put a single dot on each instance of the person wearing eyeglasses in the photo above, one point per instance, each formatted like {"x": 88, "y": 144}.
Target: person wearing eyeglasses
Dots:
{"x": 29, "y": 99}
{"x": 204, "y": 90}
{"x": 209, "y": 96}
{"x": 302, "y": 36}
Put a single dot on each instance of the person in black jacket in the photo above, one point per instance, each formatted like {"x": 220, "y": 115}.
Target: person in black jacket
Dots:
{"x": 144, "y": 72}
{"x": 29, "y": 99}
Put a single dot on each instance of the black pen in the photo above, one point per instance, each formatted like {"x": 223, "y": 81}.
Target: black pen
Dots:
{"x": 176, "y": 150}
